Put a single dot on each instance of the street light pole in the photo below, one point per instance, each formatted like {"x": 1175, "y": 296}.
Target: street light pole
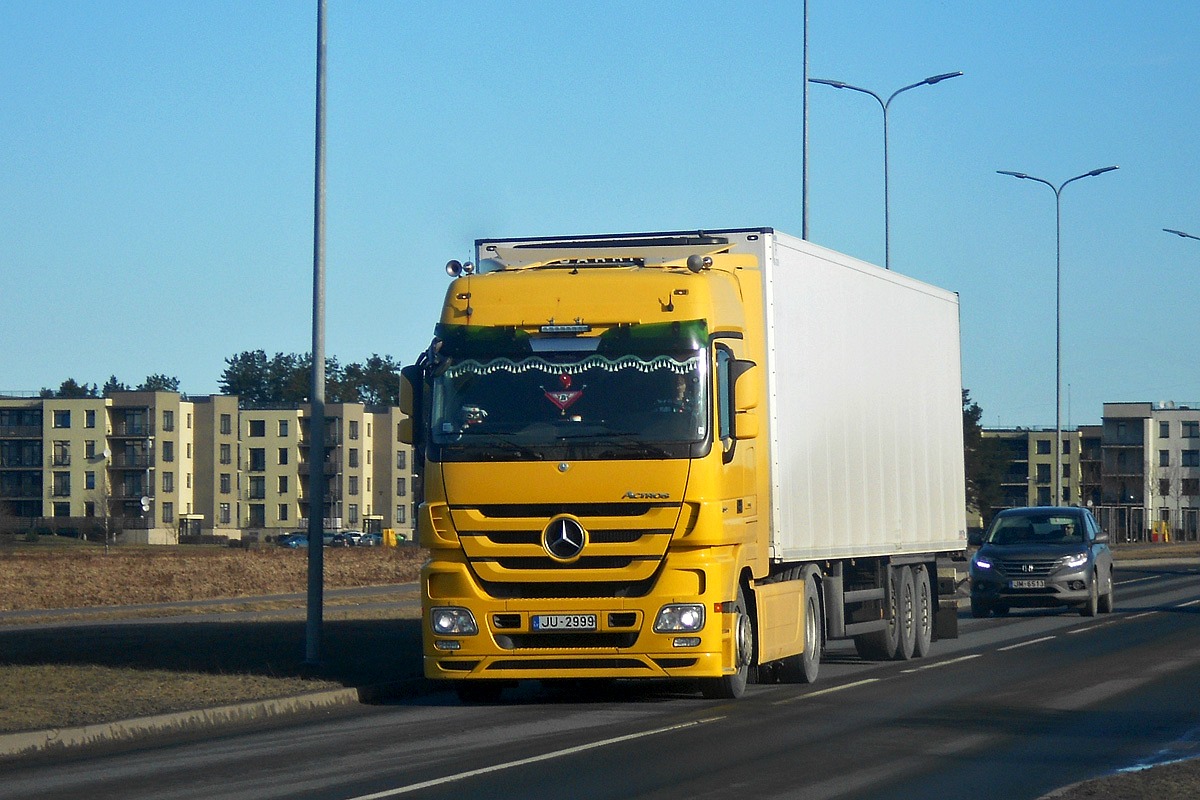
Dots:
{"x": 1181, "y": 233}
{"x": 885, "y": 105}
{"x": 1058, "y": 443}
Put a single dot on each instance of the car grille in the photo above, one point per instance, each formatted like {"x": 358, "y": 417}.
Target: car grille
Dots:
{"x": 1026, "y": 568}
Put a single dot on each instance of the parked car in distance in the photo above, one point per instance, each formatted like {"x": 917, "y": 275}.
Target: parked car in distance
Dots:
{"x": 353, "y": 537}
{"x": 293, "y": 540}
{"x": 1042, "y": 558}
{"x": 337, "y": 540}
{"x": 370, "y": 540}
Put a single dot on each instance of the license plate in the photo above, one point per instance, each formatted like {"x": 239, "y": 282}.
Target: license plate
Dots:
{"x": 1027, "y": 584}
{"x": 564, "y": 622}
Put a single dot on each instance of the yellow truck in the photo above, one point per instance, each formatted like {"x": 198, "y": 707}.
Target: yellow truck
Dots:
{"x": 683, "y": 455}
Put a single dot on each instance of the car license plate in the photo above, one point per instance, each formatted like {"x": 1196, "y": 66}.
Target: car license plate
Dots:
{"x": 564, "y": 622}
{"x": 1027, "y": 584}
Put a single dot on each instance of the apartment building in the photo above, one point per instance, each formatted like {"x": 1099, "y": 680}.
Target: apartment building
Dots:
{"x": 1029, "y": 479}
{"x": 152, "y": 467}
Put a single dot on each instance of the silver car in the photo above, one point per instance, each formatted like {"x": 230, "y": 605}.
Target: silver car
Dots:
{"x": 1042, "y": 557}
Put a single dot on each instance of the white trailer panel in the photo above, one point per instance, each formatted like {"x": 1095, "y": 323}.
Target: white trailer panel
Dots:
{"x": 864, "y": 407}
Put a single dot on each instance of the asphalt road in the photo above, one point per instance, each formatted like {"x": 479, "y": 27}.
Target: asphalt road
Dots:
{"x": 1013, "y": 709}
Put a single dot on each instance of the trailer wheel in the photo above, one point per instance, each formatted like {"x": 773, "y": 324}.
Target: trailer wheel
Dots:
{"x": 881, "y": 645}
{"x": 731, "y": 687}
{"x": 803, "y": 667}
{"x": 906, "y": 621}
{"x": 925, "y": 611}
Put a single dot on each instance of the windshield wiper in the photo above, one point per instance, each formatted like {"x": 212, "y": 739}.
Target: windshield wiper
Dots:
{"x": 481, "y": 443}
{"x": 620, "y": 444}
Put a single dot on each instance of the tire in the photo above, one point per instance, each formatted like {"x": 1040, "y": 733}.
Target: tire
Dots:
{"x": 478, "y": 692}
{"x": 731, "y": 687}
{"x": 979, "y": 609}
{"x": 1108, "y": 599}
{"x": 906, "y": 623}
{"x": 803, "y": 667}
{"x": 1001, "y": 609}
{"x": 925, "y": 611}
{"x": 881, "y": 645}
{"x": 1092, "y": 606}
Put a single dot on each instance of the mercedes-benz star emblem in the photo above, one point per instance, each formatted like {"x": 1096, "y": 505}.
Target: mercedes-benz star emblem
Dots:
{"x": 563, "y": 538}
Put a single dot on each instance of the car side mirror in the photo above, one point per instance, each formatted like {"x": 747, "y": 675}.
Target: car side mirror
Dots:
{"x": 1102, "y": 537}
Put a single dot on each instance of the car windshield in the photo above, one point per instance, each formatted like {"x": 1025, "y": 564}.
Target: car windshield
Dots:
{"x": 633, "y": 396}
{"x": 1036, "y": 529}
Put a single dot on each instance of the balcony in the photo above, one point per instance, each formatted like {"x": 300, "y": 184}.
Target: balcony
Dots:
{"x": 136, "y": 461}
{"x": 21, "y": 432}
{"x": 131, "y": 429}
{"x": 331, "y": 468}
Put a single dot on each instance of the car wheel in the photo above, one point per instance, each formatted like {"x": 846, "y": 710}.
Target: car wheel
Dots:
{"x": 979, "y": 609}
{"x": 1092, "y": 605}
{"x": 1001, "y": 609}
{"x": 1108, "y": 598}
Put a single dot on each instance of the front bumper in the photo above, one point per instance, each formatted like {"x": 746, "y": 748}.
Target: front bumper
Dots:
{"x": 1066, "y": 587}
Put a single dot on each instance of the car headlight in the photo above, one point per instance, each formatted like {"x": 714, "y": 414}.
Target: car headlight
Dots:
{"x": 1076, "y": 560}
{"x": 680, "y": 617}
{"x": 453, "y": 621}
{"x": 982, "y": 563}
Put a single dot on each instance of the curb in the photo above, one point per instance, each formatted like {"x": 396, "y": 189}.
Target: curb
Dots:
{"x": 61, "y": 741}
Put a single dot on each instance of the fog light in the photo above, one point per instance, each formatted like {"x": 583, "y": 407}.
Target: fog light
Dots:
{"x": 686, "y": 641}
{"x": 453, "y": 621}
{"x": 447, "y": 644}
{"x": 680, "y": 617}
{"x": 1077, "y": 586}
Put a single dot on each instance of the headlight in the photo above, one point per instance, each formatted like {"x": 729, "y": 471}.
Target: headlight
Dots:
{"x": 982, "y": 563}
{"x": 453, "y": 621}
{"x": 1077, "y": 560}
{"x": 678, "y": 618}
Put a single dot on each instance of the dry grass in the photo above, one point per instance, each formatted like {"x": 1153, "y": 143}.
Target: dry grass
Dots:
{"x": 115, "y": 667}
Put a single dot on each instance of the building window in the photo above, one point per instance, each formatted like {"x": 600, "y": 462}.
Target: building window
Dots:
{"x": 283, "y": 455}
{"x": 353, "y": 513}
{"x": 89, "y": 509}
{"x": 62, "y": 418}
{"x": 168, "y": 451}
{"x": 1164, "y": 430}
{"x": 283, "y": 484}
{"x": 226, "y": 483}
{"x": 283, "y": 512}
{"x": 1191, "y": 430}
{"x": 189, "y": 420}
{"x": 1043, "y": 473}
{"x": 258, "y": 515}
{"x": 168, "y": 481}
{"x": 368, "y": 430}
{"x": 168, "y": 512}
{"x": 401, "y": 459}
{"x": 89, "y": 448}
{"x": 401, "y": 487}
{"x": 258, "y": 487}
{"x": 89, "y": 480}
{"x": 189, "y": 480}
{"x": 258, "y": 427}
{"x": 62, "y": 509}
{"x": 400, "y": 514}
{"x": 353, "y": 429}
{"x": 89, "y": 418}
{"x": 223, "y": 513}
{"x": 226, "y": 458}
{"x": 1191, "y": 486}
{"x": 283, "y": 427}
{"x": 189, "y": 449}
{"x": 168, "y": 421}
{"x": 226, "y": 424}
{"x": 1164, "y": 487}
{"x": 352, "y": 487}
{"x": 1164, "y": 458}
{"x": 258, "y": 459}
{"x": 62, "y": 454}
{"x": 1043, "y": 447}
{"x": 1066, "y": 447}
{"x": 353, "y": 457}
{"x": 1191, "y": 458}
{"x": 62, "y": 484}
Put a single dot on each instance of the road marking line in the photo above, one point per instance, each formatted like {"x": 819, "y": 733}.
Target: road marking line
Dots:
{"x": 1191, "y": 603}
{"x": 942, "y": 663}
{"x": 531, "y": 760}
{"x": 1025, "y": 644}
{"x": 1091, "y": 627}
{"x": 1138, "y": 580}
{"x": 830, "y": 690}
{"x": 1143, "y": 614}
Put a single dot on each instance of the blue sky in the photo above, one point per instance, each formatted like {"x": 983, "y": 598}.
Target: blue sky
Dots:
{"x": 156, "y": 170}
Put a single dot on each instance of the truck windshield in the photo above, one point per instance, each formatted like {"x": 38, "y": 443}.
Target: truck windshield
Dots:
{"x": 571, "y": 399}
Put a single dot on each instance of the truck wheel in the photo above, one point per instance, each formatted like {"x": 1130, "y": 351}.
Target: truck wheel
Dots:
{"x": 906, "y": 622}
{"x": 881, "y": 645}
{"x": 803, "y": 667}
{"x": 478, "y": 692}
{"x": 731, "y": 687}
{"x": 925, "y": 611}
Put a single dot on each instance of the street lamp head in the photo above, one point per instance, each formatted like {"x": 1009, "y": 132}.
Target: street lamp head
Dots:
{"x": 1182, "y": 234}
{"x": 939, "y": 78}
{"x": 1101, "y": 171}
{"x": 834, "y": 84}
{"x": 1014, "y": 174}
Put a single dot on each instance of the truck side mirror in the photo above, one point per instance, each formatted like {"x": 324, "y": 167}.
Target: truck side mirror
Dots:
{"x": 745, "y": 386}
{"x": 745, "y": 425}
{"x": 408, "y": 376}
